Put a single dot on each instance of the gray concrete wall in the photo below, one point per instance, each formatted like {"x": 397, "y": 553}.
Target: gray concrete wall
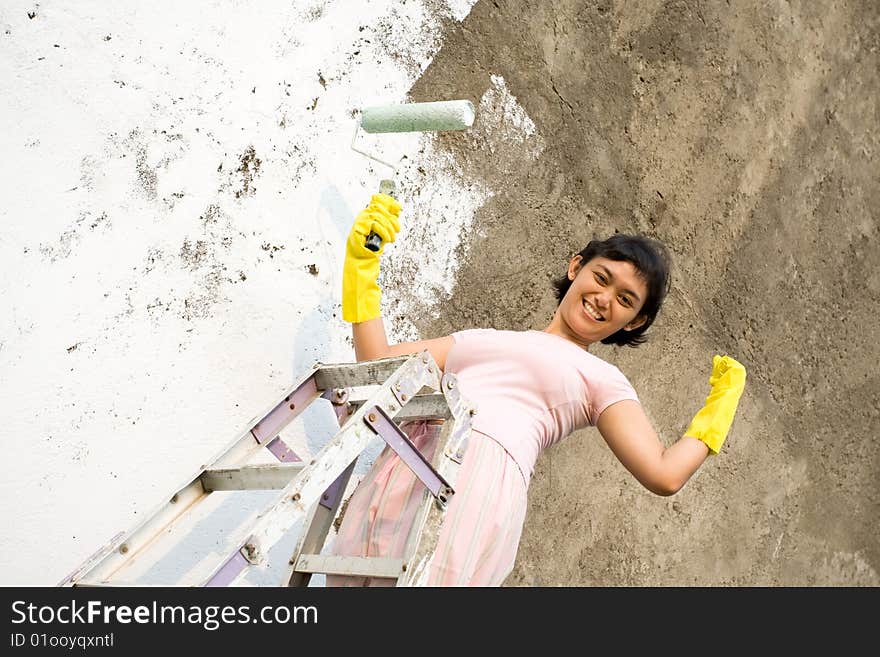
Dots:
{"x": 745, "y": 136}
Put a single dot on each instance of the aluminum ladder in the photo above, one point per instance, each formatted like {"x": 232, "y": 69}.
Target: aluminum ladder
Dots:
{"x": 369, "y": 399}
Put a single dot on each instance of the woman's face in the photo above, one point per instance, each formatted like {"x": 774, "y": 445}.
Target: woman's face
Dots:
{"x": 605, "y": 296}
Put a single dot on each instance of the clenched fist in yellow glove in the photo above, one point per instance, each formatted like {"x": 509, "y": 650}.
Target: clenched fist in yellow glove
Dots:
{"x": 712, "y": 422}
{"x": 361, "y": 296}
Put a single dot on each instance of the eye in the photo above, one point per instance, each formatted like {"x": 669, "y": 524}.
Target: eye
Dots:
{"x": 600, "y": 277}
{"x": 626, "y": 302}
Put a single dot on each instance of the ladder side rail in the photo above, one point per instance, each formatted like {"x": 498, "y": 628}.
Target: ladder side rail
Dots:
{"x": 448, "y": 456}
{"x": 125, "y": 546}
{"x": 317, "y": 527}
{"x": 323, "y": 513}
{"x": 264, "y": 429}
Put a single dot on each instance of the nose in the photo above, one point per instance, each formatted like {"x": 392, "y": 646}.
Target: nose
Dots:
{"x": 602, "y": 299}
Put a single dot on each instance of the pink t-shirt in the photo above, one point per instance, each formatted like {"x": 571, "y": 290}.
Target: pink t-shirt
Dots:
{"x": 532, "y": 388}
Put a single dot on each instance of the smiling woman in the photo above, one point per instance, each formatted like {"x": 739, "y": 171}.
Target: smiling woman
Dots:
{"x": 626, "y": 283}
{"x": 532, "y": 389}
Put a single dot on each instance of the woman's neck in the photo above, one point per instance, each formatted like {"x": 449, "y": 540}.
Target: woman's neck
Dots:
{"x": 557, "y": 327}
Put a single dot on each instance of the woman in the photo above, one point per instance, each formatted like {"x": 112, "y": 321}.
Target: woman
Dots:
{"x": 531, "y": 389}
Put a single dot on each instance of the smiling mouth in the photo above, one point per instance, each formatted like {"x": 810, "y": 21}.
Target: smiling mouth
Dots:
{"x": 592, "y": 312}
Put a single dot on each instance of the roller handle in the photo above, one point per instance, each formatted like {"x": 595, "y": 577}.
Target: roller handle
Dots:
{"x": 374, "y": 242}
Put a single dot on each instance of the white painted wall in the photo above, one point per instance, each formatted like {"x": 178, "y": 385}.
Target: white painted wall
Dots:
{"x": 177, "y": 186}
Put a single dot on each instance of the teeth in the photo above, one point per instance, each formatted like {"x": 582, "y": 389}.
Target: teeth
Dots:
{"x": 592, "y": 311}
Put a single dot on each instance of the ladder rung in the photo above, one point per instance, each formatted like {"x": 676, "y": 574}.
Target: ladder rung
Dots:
{"x": 268, "y": 476}
{"x": 421, "y": 407}
{"x": 365, "y": 373}
{"x": 362, "y": 566}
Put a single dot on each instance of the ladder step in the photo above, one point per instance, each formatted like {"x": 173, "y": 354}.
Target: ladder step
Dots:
{"x": 421, "y": 407}
{"x": 365, "y": 373}
{"x": 268, "y": 476}
{"x": 360, "y": 566}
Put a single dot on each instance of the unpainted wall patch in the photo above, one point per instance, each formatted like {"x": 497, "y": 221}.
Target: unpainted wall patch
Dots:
{"x": 249, "y": 168}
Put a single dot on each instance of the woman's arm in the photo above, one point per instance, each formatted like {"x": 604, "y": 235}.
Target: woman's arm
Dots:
{"x": 370, "y": 342}
{"x": 361, "y": 295}
{"x": 662, "y": 470}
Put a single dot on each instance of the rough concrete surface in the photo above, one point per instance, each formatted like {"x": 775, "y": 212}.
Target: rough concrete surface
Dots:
{"x": 744, "y": 135}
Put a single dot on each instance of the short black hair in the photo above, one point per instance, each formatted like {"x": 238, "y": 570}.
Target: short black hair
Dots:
{"x": 652, "y": 262}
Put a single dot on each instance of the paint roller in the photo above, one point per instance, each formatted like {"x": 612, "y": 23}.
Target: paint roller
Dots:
{"x": 434, "y": 116}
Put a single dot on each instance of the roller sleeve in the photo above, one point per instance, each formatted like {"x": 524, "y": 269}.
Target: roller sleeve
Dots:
{"x": 419, "y": 117}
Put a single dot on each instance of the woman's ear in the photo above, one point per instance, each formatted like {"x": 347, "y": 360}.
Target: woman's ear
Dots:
{"x": 636, "y": 323}
{"x": 574, "y": 267}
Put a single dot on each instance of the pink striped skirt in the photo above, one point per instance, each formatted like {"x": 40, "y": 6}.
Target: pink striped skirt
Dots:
{"x": 481, "y": 531}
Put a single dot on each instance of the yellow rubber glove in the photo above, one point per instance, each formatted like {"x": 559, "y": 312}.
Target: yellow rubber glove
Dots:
{"x": 361, "y": 296}
{"x": 712, "y": 422}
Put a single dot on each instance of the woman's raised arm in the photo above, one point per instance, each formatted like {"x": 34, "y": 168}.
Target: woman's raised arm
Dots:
{"x": 664, "y": 470}
{"x": 361, "y": 295}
